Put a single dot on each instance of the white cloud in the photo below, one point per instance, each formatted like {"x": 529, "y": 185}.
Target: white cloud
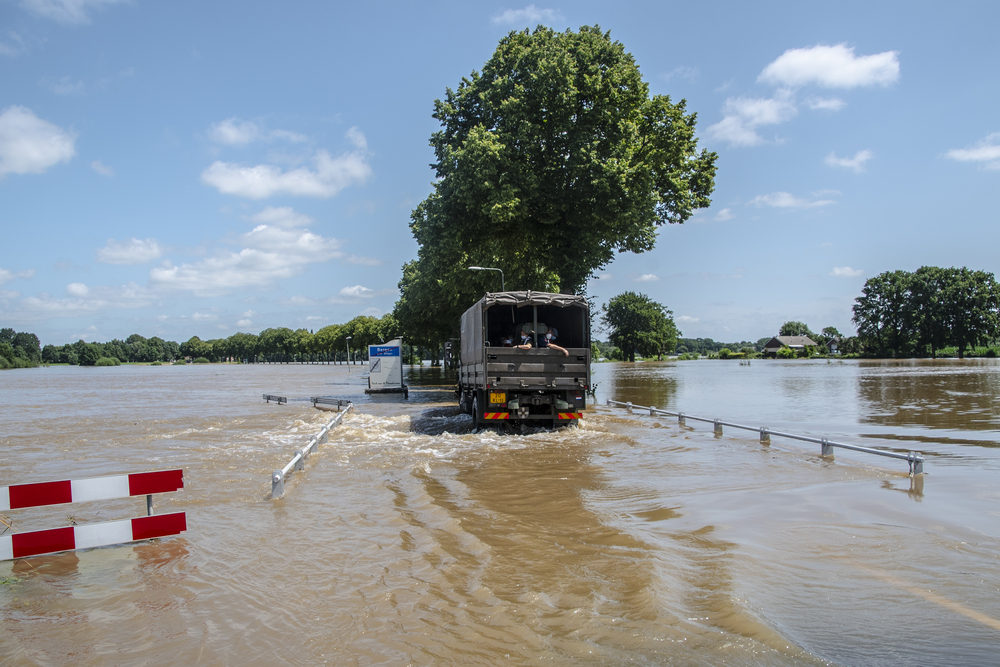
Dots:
{"x": 832, "y": 67}
{"x": 528, "y": 15}
{"x": 724, "y": 214}
{"x": 234, "y": 132}
{"x": 647, "y": 278}
{"x": 682, "y": 72}
{"x": 687, "y": 319}
{"x": 846, "y": 272}
{"x": 244, "y": 323}
{"x": 6, "y": 275}
{"x": 363, "y": 261}
{"x": 825, "y": 103}
{"x": 857, "y": 163}
{"x": 30, "y": 145}
{"x": 6, "y": 295}
{"x": 250, "y": 313}
{"x": 743, "y": 115}
{"x": 13, "y": 46}
{"x": 786, "y": 200}
{"x": 66, "y": 11}
{"x": 133, "y": 251}
{"x": 66, "y": 86}
{"x": 203, "y": 317}
{"x": 282, "y": 216}
{"x": 85, "y": 300}
{"x": 330, "y": 176}
{"x": 102, "y": 169}
{"x": 270, "y": 254}
{"x": 357, "y": 291}
{"x": 986, "y": 150}
{"x": 605, "y": 276}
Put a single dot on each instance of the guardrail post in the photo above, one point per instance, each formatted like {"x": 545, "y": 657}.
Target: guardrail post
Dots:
{"x": 628, "y": 406}
{"x": 300, "y": 463}
{"x": 680, "y": 419}
{"x": 718, "y": 427}
{"x": 765, "y": 436}
{"x": 277, "y": 484}
{"x": 652, "y": 412}
{"x": 916, "y": 464}
{"x": 827, "y": 450}
{"x": 608, "y": 404}
{"x": 313, "y": 445}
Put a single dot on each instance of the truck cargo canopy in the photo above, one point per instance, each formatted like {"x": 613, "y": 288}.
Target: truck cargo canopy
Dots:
{"x": 530, "y": 298}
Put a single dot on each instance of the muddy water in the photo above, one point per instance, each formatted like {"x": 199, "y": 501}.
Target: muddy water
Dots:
{"x": 410, "y": 540}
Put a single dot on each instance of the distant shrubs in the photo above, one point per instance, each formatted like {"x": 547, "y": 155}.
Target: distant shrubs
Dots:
{"x": 201, "y": 360}
{"x": 688, "y": 356}
{"x": 785, "y": 353}
{"x": 107, "y": 361}
{"x": 156, "y": 363}
{"x": 179, "y": 362}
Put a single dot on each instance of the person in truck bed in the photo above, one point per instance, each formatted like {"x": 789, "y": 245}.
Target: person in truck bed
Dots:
{"x": 543, "y": 341}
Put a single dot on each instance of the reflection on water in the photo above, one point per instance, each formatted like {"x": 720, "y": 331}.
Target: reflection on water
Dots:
{"x": 409, "y": 539}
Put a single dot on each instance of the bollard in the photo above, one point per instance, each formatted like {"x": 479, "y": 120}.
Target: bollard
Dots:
{"x": 765, "y": 436}
{"x": 827, "y": 451}
{"x": 277, "y": 484}
{"x": 680, "y": 419}
{"x": 652, "y": 412}
{"x": 718, "y": 427}
{"x": 628, "y": 406}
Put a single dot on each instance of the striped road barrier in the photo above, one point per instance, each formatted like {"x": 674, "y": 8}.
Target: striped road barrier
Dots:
{"x": 36, "y": 543}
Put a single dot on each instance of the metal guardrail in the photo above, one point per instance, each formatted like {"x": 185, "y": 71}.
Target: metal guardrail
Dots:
{"x": 298, "y": 461}
{"x": 279, "y": 399}
{"x": 914, "y": 459}
{"x": 326, "y": 400}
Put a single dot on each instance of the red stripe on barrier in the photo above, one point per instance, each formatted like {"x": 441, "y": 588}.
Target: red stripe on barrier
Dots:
{"x": 163, "y": 481}
{"x": 43, "y": 493}
{"x": 43, "y": 542}
{"x": 159, "y": 525}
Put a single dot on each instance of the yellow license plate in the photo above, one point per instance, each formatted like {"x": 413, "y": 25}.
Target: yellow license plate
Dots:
{"x": 498, "y": 397}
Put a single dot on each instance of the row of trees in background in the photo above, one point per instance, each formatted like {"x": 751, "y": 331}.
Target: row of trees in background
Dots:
{"x": 277, "y": 345}
{"x": 903, "y": 314}
{"x": 19, "y": 349}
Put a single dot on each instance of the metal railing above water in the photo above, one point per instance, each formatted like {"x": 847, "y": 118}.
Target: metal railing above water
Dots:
{"x": 914, "y": 459}
{"x": 298, "y": 461}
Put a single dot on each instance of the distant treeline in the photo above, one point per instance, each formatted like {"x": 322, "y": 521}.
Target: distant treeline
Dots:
{"x": 705, "y": 346}
{"x": 277, "y": 345}
{"x": 19, "y": 350}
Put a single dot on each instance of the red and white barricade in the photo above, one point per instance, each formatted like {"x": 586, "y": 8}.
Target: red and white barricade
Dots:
{"x": 35, "y": 543}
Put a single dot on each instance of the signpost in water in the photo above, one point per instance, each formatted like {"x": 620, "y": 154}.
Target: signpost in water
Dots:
{"x": 385, "y": 369}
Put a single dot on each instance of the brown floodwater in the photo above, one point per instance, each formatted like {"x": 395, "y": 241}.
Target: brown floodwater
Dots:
{"x": 410, "y": 539}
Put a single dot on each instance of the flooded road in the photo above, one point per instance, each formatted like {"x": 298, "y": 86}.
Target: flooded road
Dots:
{"x": 409, "y": 539}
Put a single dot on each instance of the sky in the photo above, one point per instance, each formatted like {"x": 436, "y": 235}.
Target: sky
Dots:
{"x": 200, "y": 168}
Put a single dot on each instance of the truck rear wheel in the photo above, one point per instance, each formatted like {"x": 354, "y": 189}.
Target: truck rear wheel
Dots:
{"x": 463, "y": 401}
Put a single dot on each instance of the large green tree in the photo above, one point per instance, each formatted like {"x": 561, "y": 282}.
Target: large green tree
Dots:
{"x": 549, "y": 162}
{"x": 636, "y": 323}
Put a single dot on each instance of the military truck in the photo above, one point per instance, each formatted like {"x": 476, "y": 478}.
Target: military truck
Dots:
{"x": 544, "y": 386}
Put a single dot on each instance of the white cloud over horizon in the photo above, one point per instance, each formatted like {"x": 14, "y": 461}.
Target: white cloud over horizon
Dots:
{"x": 846, "y": 272}
{"x": 647, "y": 278}
{"x": 329, "y": 176}
{"x": 787, "y": 200}
{"x": 986, "y": 150}
{"x": 856, "y": 163}
{"x": 530, "y": 14}
{"x": 102, "y": 169}
{"x": 7, "y": 275}
{"x": 131, "y": 252}
{"x": 30, "y": 145}
{"x": 832, "y": 67}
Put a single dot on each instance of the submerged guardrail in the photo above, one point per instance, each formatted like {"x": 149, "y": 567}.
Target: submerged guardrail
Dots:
{"x": 299, "y": 458}
{"x": 915, "y": 459}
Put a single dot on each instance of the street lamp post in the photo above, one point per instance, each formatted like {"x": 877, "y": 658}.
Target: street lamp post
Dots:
{"x": 347, "y": 342}
{"x": 503, "y": 287}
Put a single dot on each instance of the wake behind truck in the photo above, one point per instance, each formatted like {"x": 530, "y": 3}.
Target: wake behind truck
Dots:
{"x": 542, "y": 385}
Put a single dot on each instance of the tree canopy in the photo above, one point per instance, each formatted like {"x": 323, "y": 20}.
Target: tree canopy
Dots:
{"x": 794, "y": 328}
{"x": 901, "y": 313}
{"x": 636, "y": 323}
{"x": 549, "y": 162}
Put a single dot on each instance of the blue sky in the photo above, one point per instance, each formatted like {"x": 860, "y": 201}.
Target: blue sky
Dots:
{"x": 182, "y": 168}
